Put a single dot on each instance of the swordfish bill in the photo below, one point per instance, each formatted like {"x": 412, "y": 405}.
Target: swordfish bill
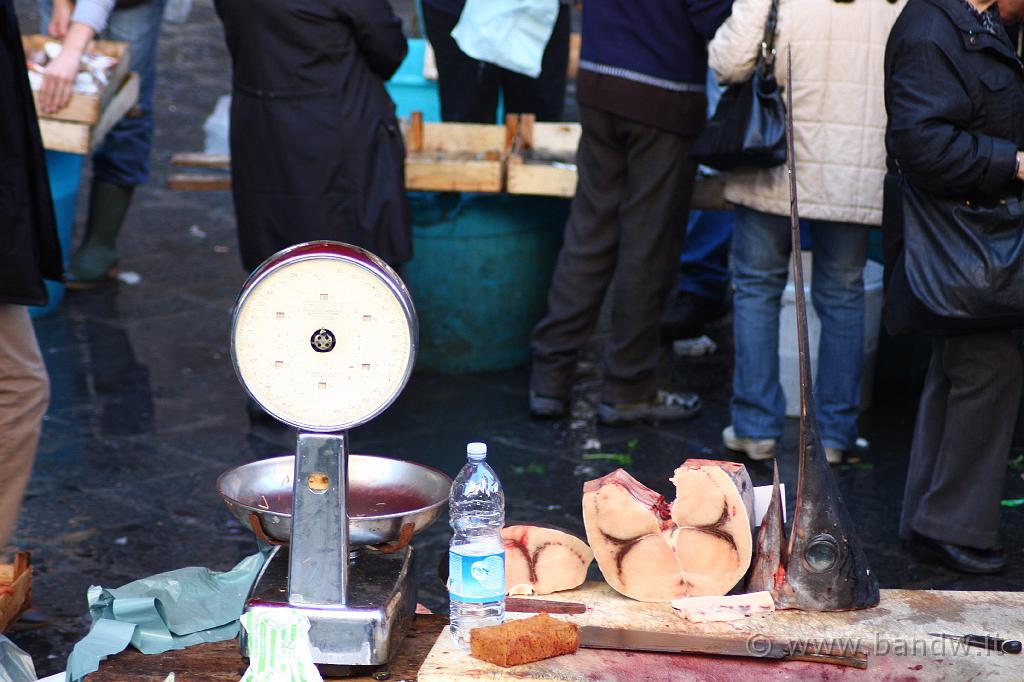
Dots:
{"x": 824, "y": 567}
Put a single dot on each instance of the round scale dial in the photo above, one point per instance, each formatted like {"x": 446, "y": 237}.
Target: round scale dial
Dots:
{"x": 322, "y": 341}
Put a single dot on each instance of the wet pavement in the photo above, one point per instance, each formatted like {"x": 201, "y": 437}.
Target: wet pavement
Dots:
{"x": 146, "y": 411}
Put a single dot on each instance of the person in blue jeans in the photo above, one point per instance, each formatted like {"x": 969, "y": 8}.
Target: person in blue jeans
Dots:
{"x": 122, "y": 162}
{"x": 839, "y": 119}
{"x": 702, "y": 295}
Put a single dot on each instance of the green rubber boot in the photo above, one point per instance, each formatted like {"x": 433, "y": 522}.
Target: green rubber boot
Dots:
{"x": 95, "y": 261}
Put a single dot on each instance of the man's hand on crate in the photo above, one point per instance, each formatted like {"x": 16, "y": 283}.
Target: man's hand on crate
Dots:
{"x": 62, "y": 69}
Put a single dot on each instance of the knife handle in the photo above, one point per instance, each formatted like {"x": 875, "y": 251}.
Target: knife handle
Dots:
{"x": 1010, "y": 646}
{"x": 857, "y": 659}
{"x": 526, "y": 605}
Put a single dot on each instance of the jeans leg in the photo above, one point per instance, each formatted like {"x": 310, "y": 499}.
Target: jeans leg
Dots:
{"x": 837, "y": 290}
{"x": 760, "y": 248}
{"x": 705, "y": 258}
{"x": 123, "y": 157}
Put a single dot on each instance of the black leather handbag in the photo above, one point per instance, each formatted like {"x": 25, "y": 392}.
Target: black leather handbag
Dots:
{"x": 964, "y": 260}
{"x": 748, "y": 128}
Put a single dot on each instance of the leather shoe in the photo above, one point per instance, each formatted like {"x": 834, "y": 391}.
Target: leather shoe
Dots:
{"x": 958, "y": 557}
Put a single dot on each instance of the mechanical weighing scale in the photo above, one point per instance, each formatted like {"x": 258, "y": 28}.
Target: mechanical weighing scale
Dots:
{"x": 324, "y": 339}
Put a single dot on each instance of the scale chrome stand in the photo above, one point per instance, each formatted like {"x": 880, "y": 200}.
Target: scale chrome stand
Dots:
{"x": 324, "y": 338}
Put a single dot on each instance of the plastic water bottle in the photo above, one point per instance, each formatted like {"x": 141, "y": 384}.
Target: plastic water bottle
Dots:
{"x": 476, "y": 558}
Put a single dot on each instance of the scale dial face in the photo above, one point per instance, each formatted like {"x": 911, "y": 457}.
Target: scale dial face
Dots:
{"x": 324, "y": 341}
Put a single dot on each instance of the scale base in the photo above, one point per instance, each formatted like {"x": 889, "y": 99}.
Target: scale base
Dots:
{"x": 366, "y": 631}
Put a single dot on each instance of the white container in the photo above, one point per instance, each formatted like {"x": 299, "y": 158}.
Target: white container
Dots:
{"x": 789, "y": 366}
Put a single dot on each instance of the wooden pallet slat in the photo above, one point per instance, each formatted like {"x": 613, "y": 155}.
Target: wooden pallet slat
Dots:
{"x": 199, "y": 182}
{"x": 201, "y": 160}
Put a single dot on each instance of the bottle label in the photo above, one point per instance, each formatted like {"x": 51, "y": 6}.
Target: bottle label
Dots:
{"x": 476, "y": 579}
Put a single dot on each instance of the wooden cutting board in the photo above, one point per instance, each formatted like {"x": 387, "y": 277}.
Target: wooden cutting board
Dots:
{"x": 895, "y": 633}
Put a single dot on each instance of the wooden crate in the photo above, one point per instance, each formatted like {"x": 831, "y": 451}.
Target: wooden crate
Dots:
{"x": 80, "y": 126}
{"x": 453, "y": 157}
{"x": 86, "y": 108}
{"x": 541, "y": 156}
{"x": 15, "y": 589}
{"x": 82, "y": 138}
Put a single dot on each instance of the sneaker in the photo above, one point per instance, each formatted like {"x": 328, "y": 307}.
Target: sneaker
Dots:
{"x": 834, "y": 455}
{"x": 757, "y": 450}
{"x": 546, "y": 407}
{"x": 664, "y": 405}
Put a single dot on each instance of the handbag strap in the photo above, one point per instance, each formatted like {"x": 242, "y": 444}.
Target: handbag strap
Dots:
{"x": 767, "y": 57}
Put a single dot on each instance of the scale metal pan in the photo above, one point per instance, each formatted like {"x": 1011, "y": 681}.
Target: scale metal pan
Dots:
{"x": 384, "y": 495}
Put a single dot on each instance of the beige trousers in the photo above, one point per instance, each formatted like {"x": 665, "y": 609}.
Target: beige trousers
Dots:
{"x": 24, "y": 397}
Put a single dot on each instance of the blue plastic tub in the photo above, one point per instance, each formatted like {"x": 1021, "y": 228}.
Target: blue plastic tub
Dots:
{"x": 65, "y": 171}
{"x": 479, "y": 276}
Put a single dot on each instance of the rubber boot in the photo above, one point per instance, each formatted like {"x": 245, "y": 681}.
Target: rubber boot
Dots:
{"x": 95, "y": 261}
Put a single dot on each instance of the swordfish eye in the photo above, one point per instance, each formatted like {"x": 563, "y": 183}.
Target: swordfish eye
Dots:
{"x": 822, "y": 553}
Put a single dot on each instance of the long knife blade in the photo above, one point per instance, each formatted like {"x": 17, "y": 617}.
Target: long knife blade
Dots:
{"x": 756, "y": 646}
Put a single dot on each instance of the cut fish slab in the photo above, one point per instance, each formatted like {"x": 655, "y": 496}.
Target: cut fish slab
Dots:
{"x": 719, "y": 609}
{"x": 654, "y": 551}
{"x": 541, "y": 560}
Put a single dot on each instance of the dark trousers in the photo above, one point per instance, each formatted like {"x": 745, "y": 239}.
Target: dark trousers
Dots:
{"x": 469, "y": 88}
{"x": 962, "y": 439}
{"x": 624, "y": 234}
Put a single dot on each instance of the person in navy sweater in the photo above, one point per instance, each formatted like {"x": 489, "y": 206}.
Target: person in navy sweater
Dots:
{"x": 640, "y": 88}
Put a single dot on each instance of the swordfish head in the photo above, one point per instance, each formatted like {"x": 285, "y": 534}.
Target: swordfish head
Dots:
{"x": 824, "y": 567}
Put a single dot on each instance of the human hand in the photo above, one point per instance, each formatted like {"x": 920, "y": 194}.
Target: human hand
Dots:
{"x": 1020, "y": 166}
{"x": 60, "y": 18}
{"x": 62, "y": 69}
{"x": 58, "y": 79}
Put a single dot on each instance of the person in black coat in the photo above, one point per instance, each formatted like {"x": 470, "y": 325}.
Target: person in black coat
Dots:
{"x": 29, "y": 252}
{"x": 954, "y": 94}
{"x": 316, "y": 150}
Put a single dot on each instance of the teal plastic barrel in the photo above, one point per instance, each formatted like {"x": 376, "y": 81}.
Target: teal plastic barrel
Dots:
{"x": 479, "y": 277}
{"x": 65, "y": 171}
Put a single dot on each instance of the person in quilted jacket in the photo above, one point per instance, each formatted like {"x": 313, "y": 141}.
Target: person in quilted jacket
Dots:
{"x": 839, "y": 122}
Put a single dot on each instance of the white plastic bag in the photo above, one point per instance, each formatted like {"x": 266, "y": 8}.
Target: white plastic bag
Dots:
{"x": 15, "y": 664}
{"x": 509, "y": 33}
{"x": 217, "y": 127}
